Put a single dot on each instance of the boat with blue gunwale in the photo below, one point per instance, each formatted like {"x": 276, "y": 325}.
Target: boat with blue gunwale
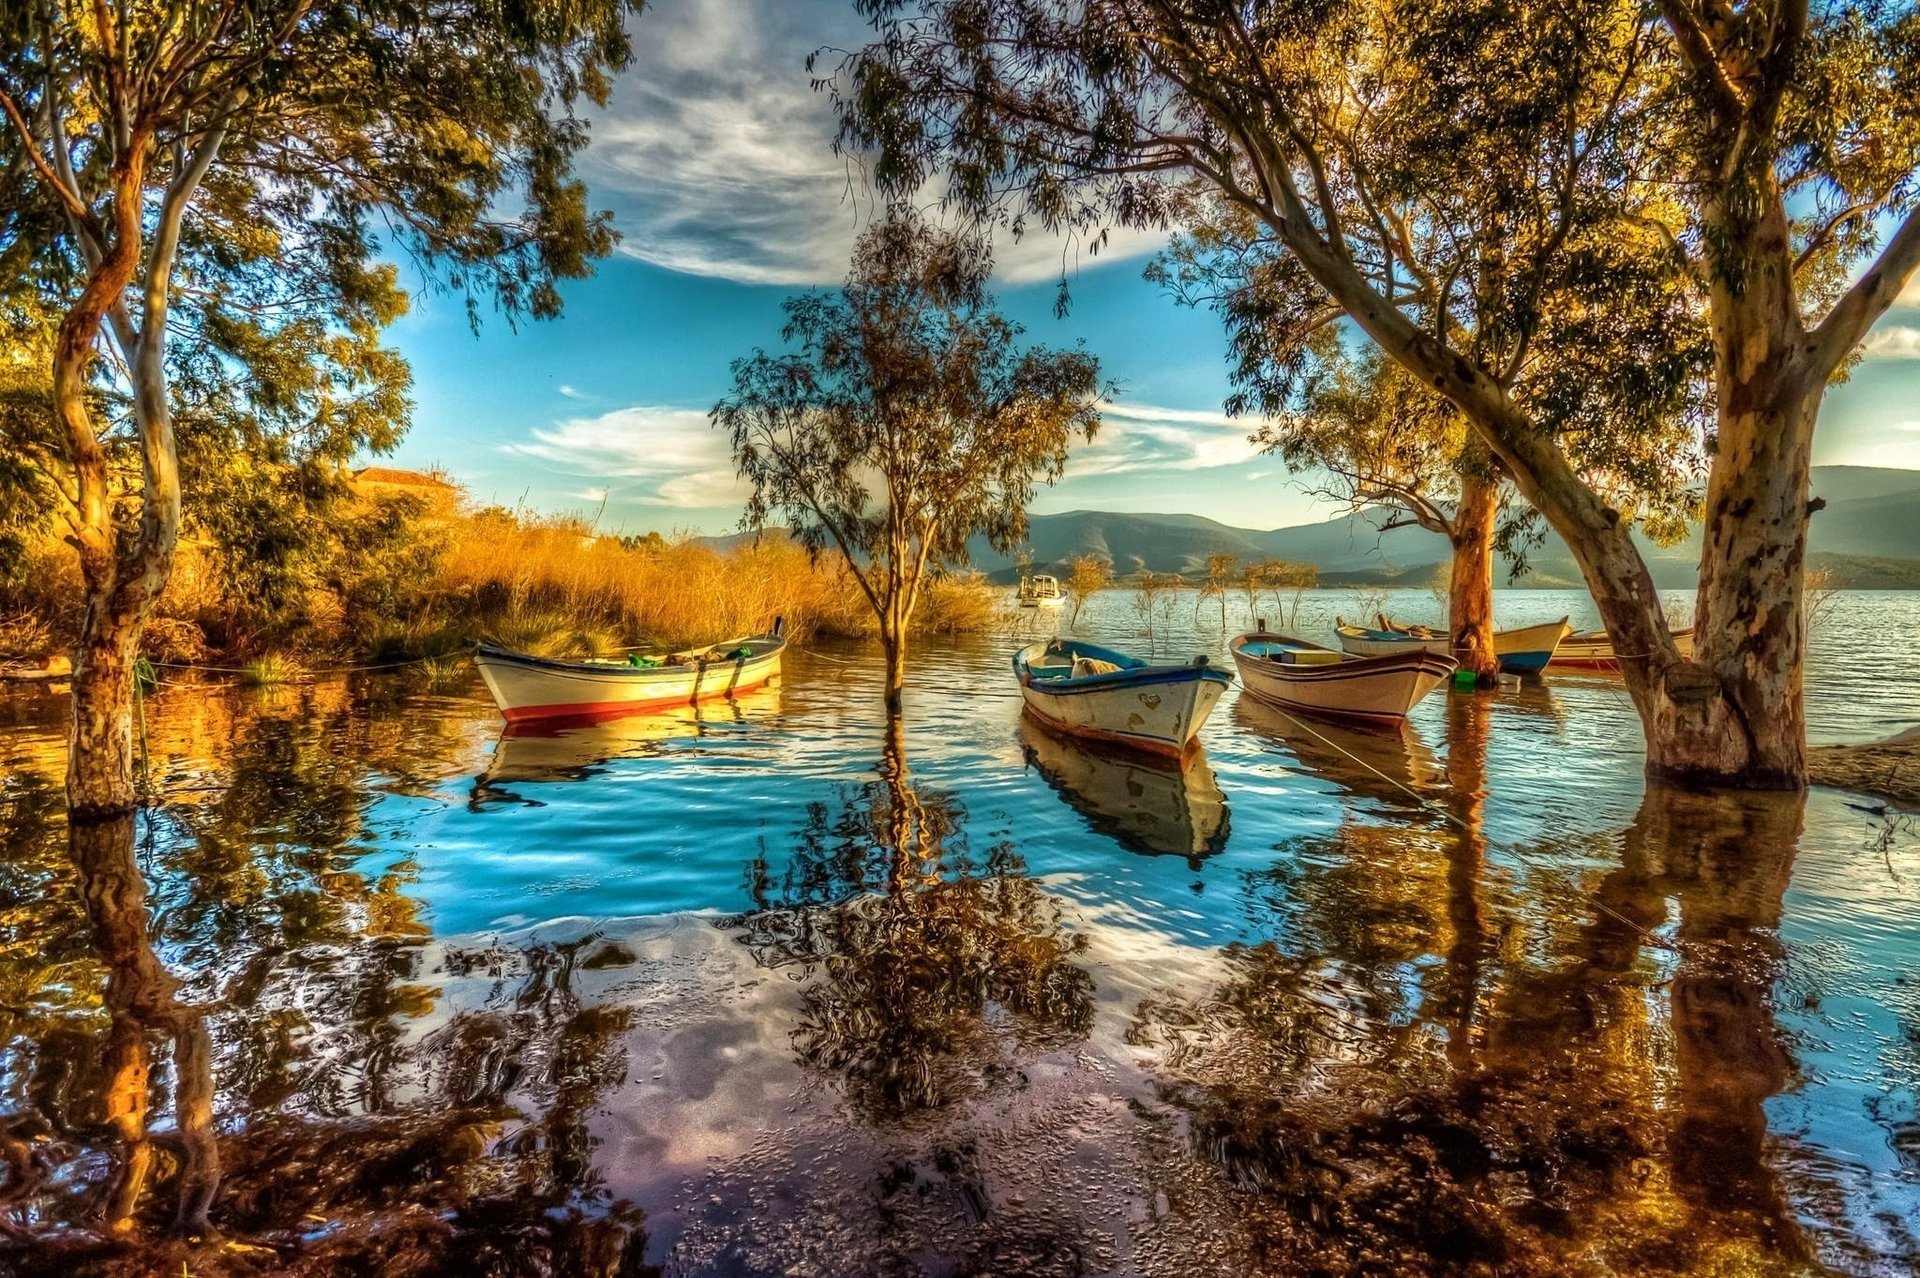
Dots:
{"x": 1104, "y": 695}
{"x": 1524, "y": 650}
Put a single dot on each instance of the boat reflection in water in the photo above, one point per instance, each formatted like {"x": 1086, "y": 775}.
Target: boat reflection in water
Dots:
{"x": 1148, "y": 805}
{"x": 573, "y": 749}
{"x": 1393, "y": 764}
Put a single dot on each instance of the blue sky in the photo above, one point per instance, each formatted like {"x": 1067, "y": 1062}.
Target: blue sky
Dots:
{"x": 714, "y": 157}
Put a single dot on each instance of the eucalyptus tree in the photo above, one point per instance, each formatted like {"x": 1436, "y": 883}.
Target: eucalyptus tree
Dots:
{"x": 906, "y": 420}
{"x": 212, "y": 199}
{"x": 1588, "y": 162}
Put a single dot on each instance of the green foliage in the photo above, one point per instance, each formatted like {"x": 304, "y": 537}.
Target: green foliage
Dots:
{"x": 906, "y": 378}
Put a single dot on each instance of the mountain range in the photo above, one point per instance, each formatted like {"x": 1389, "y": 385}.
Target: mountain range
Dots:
{"x": 1868, "y": 537}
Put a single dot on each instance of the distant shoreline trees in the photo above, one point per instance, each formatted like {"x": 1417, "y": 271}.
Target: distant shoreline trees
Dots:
{"x": 906, "y": 420}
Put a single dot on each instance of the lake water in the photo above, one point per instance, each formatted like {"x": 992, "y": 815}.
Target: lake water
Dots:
{"x": 719, "y": 993}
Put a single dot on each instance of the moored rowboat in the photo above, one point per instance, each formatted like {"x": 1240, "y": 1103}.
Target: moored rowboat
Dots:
{"x": 1358, "y": 641}
{"x": 1525, "y": 650}
{"x": 1593, "y": 650}
{"x": 1296, "y": 675}
{"x": 1105, "y": 695}
{"x": 528, "y": 687}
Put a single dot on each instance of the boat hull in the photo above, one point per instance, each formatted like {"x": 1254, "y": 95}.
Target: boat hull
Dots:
{"x": 1155, "y": 709}
{"x": 529, "y": 688}
{"x": 1358, "y": 689}
{"x": 1530, "y": 649}
{"x": 1593, "y": 650}
{"x": 1356, "y": 642}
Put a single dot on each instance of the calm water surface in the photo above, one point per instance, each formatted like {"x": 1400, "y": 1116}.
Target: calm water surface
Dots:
{"x": 738, "y": 993}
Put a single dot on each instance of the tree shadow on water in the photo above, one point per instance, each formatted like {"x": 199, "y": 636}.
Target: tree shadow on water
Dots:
{"x": 934, "y": 971}
{"x": 1414, "y": 1074}
{"x": 249, "y": 1068}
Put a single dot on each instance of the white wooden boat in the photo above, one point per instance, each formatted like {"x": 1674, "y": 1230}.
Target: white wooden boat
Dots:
{"x": 1296, "y": 675}
{"x": 528, "y": 687}
{"x": 1109, "y": 696}
{"x": 1360, "y": 641}
{"x": 1593, "y": 650}
{"x": 1042, "y": 591}
{"x": 1146, "y": 804}
{"x": 1524, "y": 650}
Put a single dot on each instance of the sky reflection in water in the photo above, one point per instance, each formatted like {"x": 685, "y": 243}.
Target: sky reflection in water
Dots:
{"x": 747, "y": 991}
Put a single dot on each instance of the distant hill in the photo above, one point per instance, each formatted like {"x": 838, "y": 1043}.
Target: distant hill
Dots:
{"x": 1868, "y": 536}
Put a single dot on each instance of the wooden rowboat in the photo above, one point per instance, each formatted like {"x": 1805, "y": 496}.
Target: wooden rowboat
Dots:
{"x": 1593, "y": 650}
{"x": 1359, "y": 641}
{"x": 528, "y": 687}
{"x": 1525, "y": 650}
{"x": 1105, "y": 695}
{"x": 1296, "y": 675}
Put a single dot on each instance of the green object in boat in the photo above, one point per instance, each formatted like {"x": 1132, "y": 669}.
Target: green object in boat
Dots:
{"x": 645, "y": 663}
{"x": 1465, "y": 680}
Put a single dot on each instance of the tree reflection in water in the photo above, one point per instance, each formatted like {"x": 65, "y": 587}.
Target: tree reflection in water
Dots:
{"x": 285, "y": 1103}
{"x": 934, "y": 971}
{"x": 1415, "y": 1075}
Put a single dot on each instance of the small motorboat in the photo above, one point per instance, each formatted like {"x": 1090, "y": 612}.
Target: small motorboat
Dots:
{"x": 1147, "y": 804}
{"x": 1296, "y": 675}
{"x": 528, "y": 687}
{"x": 1593, "y": 650}
{"x": 1105, "y": 695}
{"x": 1042, "y": 591}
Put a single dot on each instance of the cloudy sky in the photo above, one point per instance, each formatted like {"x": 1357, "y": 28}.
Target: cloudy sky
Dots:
{"x": 715, "y": 158}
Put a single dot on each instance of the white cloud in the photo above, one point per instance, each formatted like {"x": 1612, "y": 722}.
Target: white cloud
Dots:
{"x": 569, "y": 392}
{"x": 716, "y": 154}
{"x": 672, "y": 456}
{"x": 1894, "y": 341}
{"x": 1144, "y": 437}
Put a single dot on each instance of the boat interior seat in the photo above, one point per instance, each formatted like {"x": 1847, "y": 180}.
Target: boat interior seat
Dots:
{"x": 1297, "y": 657}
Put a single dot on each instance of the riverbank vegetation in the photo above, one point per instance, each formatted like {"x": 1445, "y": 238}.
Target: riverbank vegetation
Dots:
{"x": 391, "y": 581}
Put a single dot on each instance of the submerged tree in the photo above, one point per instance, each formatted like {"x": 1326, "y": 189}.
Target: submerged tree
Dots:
{"x": 1087, "y": 575}
{"x": 908, "y": 381}
{"x": 1566, "y": 169}
{"x": 209, "y": 197}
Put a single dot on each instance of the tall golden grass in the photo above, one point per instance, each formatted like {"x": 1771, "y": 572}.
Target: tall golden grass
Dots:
{"x": 538, "y": 583}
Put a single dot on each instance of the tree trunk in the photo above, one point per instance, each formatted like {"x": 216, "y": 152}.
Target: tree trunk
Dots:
{"x": 1470, "y": 581}
{"x": 100, "y": 759}
{"x": 1734, "y": 714}
{"x": 895, "y": 647}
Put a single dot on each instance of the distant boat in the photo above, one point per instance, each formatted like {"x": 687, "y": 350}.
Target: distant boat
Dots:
{"x": 1042, "y": 591}
{"x": 1593, "y": 650}
{"x": 1525, "y": 650}
{"x": 1296, "y": 675}
{"x": 1105, "y": 695}
{"x": 528, "y": 687}
{"x": 1150, "y": 805}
